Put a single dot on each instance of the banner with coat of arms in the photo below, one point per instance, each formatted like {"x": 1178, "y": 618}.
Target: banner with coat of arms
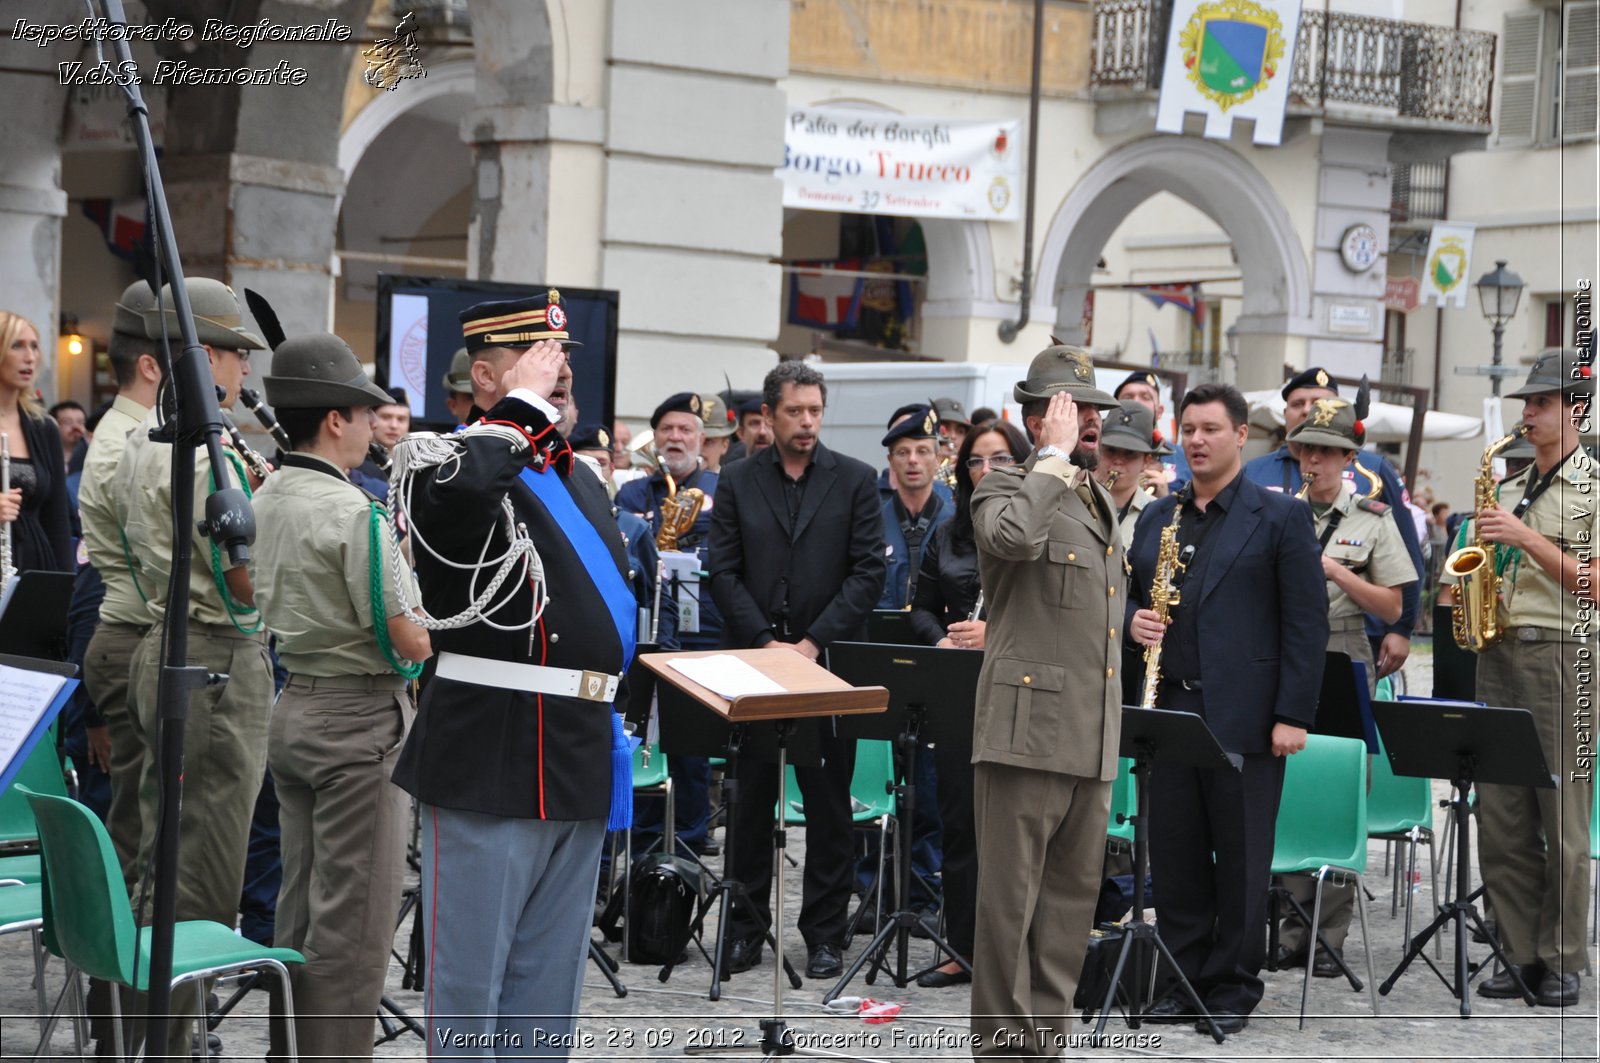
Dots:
{"x": 1229, "y": 59}
{"x": 1444, "y": 271}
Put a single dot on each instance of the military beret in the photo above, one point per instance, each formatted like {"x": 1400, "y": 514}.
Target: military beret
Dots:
{"x": 397, "y": 397}
{"x": 1315, "y": 377}
{"x": 516, "y": 322}
{"x": 682, "y": 402}
{"x": 921, "y": 422}
{"x": 1140, "y": 376}
{"x": 907, "y": 410}
{"x": 590, "y": 437}
{"x": 1557, "y": 369}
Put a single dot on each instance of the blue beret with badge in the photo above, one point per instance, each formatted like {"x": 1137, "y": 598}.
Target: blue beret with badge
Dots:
{"x": 921, "y": 422}
{"x": 682, "y": 402}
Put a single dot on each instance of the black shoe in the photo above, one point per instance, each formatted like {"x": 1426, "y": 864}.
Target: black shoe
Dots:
{"x": 213, "y": 1048}
{"x": 1493, "y": 935}
{"x": 1284, "y": 957}
{"x": 937, "y": 979}
{"x": 1558, "y": 990}
{"x": 1503, "y": 987}
{"x": 1324, "y": 966}
{"x": 1170, "y": 1011}
{"x": 1227, "y": 1022}
{"x": 929, "y": 913}
{"x": 743, "y": 954}
{"x": 825, "y": 961}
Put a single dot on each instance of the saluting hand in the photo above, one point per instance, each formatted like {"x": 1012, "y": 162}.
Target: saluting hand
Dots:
{"x": 1147, "y": 628}
{"x": 1059, "y": 428}
{"x": 537, "y": 369}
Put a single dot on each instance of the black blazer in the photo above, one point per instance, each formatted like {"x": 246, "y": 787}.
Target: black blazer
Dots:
{"x": 1263, "y": 614}
{"x": 488, "y": 749}
{"x": 817, "y": 580}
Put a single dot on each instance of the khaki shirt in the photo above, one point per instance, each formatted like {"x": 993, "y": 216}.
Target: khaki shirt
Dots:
{"x": 1368, "y": 544}
{"x": 146, "y": 484}
{"x": 311, "y": 567}
{"x": 1564, "y": 514}
{"x": 1141, "y": 498}
{"x": 102, "y": 516}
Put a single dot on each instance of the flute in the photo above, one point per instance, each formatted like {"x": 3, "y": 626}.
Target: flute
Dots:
{"x": 6, "y": 568}
{"x": 977, "y": 607}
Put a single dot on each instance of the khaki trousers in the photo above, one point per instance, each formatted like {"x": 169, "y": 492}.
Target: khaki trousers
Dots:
{"x": 1533, "y": 845}
{"x": 343, "y": 827}
{"x": 224, "y": 756}
{"x": 106, "y": 664}
{"x": 1041, "y": 837}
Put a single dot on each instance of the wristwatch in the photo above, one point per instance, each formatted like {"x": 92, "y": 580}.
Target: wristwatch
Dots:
{"x": 1050, "y": 450}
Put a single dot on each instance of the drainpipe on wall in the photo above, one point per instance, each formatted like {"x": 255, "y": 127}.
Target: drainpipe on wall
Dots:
{"x": 1009, "y": 329}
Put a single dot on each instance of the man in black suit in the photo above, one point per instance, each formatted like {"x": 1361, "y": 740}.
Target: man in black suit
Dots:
{"x": 1243, "y": 650}
{"x": 796, "y": 560}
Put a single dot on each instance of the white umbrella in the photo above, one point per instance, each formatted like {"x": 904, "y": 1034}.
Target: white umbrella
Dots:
{"x": 1385, "y": 421}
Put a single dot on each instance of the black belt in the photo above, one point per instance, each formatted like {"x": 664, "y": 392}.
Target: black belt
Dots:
{"x": 1186, "y": 684}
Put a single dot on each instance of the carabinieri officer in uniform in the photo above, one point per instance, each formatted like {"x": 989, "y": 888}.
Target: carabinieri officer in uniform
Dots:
{"x": 324, "y": 571}
{"x": 516, "y": 756}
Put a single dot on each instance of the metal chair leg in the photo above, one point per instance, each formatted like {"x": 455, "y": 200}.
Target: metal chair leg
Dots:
{"x": 1366, "y": 942}
{"x": 37, "y": 935}
{"x": 1311, "y": 942}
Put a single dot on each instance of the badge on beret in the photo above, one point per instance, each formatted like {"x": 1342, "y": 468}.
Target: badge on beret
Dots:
{"x": 603, "y": 436}
{"x": 694, "y": 405}
{"x": 1322, "y": 378}
{"x": 1150, "y": 378}
{"x": 930, "y": 422}
{"x": 1325, "y": 410}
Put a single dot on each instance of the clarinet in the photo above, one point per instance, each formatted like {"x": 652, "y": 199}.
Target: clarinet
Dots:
{"x": 251, "y": 457}
{"x": 252, "y": 402}
{"x": 7, "y": 570}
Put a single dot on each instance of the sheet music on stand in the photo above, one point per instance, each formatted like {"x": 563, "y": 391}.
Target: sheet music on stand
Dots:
{"x": 30, "y": 699}
{"x": 725, "y": 675}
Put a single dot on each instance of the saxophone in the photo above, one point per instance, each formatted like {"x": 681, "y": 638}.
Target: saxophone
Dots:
{"x": 1478, "y": 617}
{"x": 678, "y": 512}
{"x": 1163, "y": 596}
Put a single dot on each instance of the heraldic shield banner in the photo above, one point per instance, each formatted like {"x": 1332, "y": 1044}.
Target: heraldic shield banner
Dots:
{"x": 1229, "y": 59}
{"x": 1445, "y": 270}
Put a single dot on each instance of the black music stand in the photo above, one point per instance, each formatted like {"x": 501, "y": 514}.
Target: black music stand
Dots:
{"x": 34, "y": 623}
{"x": 804, "y": 690}
{"x": 926, "y": 684}
{"x": 1343, "y": 711}
{"x": 891, "y": 626}
{"x": 1464, "y": 743}
{"x": 1149, "y": 735}
{"x": 689, "y": 729}
{"x": 1455, "y": 670}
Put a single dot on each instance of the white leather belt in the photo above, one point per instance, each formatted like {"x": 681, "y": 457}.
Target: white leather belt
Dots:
{"x": 529, "y": 678}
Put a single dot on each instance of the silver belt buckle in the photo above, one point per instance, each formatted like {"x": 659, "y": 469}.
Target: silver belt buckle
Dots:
{"x": 1528, "y": 634}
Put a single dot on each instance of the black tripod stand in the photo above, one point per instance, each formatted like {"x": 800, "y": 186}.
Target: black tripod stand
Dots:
{"x": 1467, "y": 743}
{"x": 1148, "y": 735}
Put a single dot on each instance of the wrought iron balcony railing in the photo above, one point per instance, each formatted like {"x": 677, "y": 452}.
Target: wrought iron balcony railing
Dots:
{"x": 1432, "y": 75}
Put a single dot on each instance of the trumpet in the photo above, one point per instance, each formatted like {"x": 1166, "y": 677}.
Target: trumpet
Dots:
{"x": 1305, "y": 485}
{"x": 7, "y": 569}
{"x": 1112, "y": 476}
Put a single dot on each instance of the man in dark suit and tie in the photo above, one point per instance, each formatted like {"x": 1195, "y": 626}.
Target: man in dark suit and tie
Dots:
{"x": 1243, "y": 650}
{"x": 796, "y": 560}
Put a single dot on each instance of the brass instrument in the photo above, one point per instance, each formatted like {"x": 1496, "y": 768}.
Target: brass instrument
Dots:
{"x": 678, "y": 512}
{"x": 7, "y": 569}
{"x": 1305, "y": 485}
{"x": 1163, "y": 596}
{"x": 946, "y": 473}
{"x": 1478, "y": 617}
{"x": 1112, "y": 476}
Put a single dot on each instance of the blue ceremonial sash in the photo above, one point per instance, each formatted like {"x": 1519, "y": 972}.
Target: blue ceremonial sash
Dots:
{"x": 591, "y": 550}
{"x": 618, "y": 596}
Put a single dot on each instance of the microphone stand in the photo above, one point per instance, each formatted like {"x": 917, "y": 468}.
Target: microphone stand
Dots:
{"x": 196, "y": 421}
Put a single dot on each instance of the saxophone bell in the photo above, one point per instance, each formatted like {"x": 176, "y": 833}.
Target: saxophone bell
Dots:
{"x": 1478, "y": 617}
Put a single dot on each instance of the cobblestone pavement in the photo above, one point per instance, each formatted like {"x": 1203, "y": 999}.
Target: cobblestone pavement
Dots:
{"x": 1419, "y": 1019}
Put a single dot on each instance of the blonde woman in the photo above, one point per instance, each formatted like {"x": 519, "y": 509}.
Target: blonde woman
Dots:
{"x": 36, "y": 506}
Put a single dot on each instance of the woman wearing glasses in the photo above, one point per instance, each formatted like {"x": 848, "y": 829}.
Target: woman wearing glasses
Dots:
{"x": 946, "y": 613}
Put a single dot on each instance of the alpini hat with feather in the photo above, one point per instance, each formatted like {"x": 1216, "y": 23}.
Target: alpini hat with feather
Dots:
{"x": 1063, "y": 368}
{"x": 318, "y": 370}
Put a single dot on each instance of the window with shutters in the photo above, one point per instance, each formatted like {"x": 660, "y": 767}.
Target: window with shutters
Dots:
{"x": 1548, "y": 75}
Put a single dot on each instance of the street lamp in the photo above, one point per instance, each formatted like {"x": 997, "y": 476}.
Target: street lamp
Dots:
{"x": 1499, "y": 291}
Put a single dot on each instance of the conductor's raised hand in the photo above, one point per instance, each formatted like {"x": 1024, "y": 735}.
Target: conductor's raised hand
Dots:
{"x": 537, "y": 369}
{"x": 1059, "y": 427}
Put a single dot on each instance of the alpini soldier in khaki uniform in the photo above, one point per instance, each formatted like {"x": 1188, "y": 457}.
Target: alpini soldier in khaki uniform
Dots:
{"x": 1533, "y": 845}
{"x": 325, "y": 571}
{"x": 1366, "y": 564}
{"x": 225, "y": 735}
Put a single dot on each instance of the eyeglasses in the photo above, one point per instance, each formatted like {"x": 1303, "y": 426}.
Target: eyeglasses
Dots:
{"x": 994, "y": 461}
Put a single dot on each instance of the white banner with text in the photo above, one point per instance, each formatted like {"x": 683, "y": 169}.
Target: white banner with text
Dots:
{"x": 870, "y": 162}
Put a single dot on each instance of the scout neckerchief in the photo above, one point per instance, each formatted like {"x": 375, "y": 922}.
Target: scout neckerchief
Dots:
{"x": 597, "y": 564}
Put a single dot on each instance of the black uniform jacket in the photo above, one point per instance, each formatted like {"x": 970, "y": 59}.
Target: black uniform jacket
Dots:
{"x": 1263, "y": 617}
{"x": 817, "y": 577}
{"x": 483, "y": 748}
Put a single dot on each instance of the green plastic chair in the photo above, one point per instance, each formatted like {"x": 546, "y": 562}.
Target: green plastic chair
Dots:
{"x": 871, "y": 802}
{"x": 1322, "y": 829}
{"x": 1124, "y": 800}
{"x": 41, "y": 773}
{"x": 1400, "y": 810}
{"x": 89, "y": 923}
{"x": 22, "y": 910}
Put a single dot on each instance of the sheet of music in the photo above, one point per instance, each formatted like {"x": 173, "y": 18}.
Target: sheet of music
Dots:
{"x": 725, "y": 674}
{"x": 25, "y": 697}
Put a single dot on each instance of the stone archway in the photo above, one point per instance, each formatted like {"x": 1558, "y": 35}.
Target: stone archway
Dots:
{"x": 1229, "y": 190}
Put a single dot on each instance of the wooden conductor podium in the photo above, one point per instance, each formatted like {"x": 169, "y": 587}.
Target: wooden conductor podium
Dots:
{"x": 794, "y": 688}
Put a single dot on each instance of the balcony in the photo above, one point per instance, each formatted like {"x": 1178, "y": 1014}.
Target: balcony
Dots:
{"x": 1376, "y": 72}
